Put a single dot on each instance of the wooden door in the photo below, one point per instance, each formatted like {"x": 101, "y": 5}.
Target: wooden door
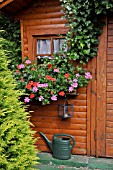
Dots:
{"x": 101, "y": 117}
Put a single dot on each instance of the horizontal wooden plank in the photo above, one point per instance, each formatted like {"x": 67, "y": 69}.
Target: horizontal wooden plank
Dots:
{"x": 109, "y": 82}
{"x": 110, "y": 64}
{"x": 62, "y": 125}
{"x": 110, "y": 26}
{"x": 110, "y": 32}
{"x": 109, "y": 136}
{"x": 110, "y": 44}
{"x": 46, "y": 27}
{"x": 77, "y": 145}
{"x": 110, "y": 70}
{"x": 55, "y": 114}
{"x": 63, "y": 131}
{"x": 46, "y": 9}
{"x": 109, "y": 130}
{"x": 109, "y": 94}
{"x": 41, "y": 15}
{"x": 109, "y": 100}
{"x": 80, "y": 97}
{"x": 109, "y": 76}
{"x": 81, "y": 139}
{"x": 109, "y": 141}
{"x": 47, "y": 110}
{"x": 45, "y": 22}
{"x": 110, "y": 38}
{"x": 110, "y": 106}
{"x": 109, "y": 124}
{"x": 109, "y": 57}
{"x": 110, "y": 117}
{"x": 74, "y": 150}
{"x": 109, "y": 113}
{"x": 57, "y": 119}
{"x": 110, "y": 88}
{"x": 109, "y": 51}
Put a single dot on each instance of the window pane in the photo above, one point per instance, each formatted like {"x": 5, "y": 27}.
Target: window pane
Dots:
{"x": 61, "y": 44}
{"x": 58, "y": 43}
{"x": 43, "y": 47}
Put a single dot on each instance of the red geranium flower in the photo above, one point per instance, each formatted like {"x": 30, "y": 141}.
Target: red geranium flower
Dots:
{"x": 48, "y": 77}
{"x": 49, "y": 66}
{"x": 32, "y": 96}
{"x": 30, "y": 82}
{"x": 32, "y": 68}
{"x": 28, "y": 86}
{"x": 66, "y": 75}
{"x": 61, "y": 93}
{"x": 35, "y": 84}
{"x": 21, "y": 79}
{"x": 17, "y": 71}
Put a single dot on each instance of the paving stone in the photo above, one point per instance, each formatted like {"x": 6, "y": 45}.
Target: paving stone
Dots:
{"x": 47, "y": 162}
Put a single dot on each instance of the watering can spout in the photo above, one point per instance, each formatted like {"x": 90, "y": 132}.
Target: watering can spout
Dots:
{"x": 47, "y": 140}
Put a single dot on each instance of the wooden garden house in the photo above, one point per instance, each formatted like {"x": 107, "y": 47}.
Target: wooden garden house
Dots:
{"x": 92, "y": 124}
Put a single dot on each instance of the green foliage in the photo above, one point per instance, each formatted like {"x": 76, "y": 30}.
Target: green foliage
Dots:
{"x": 10, "y": 30}
{"x": 85, "y": 27}
{"x": 17, "y": 150}
{"x": 49, "y": 80}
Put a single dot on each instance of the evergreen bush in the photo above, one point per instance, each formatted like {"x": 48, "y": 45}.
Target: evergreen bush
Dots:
{"x": 17, "y": 149}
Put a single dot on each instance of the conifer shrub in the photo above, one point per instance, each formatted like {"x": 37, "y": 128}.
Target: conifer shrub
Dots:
{"x": 17, "y": 149}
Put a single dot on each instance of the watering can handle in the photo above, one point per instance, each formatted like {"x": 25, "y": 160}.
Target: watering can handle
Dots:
{"x": 74, "y": 141}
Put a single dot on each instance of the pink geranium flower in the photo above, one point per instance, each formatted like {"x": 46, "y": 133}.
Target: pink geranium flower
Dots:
{"x": 28, "y": 62}
{"x": 54, "y": 98}
{"x": 77, "y": 75}
{"x": 74, "y": 84}
{"x": 27, "y": 100}
{"x": 71, "y": 89}
{"x": 21, "y": 66}
{"x": 41, "y": 98}
{"x": 88, "y": 75}
{"x": 56, "y": 70}
{"x": 35, "y": 89}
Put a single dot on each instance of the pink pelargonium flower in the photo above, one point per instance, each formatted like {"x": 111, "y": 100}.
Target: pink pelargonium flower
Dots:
{"x": 41, "y": 98}
{"x": 71, "y": 89}
{"x": 77, "y": 75}
{"x": 54, "y": 98}
{"x": 56, "y": 70}
{"x": 88, "y": 75}
{"x": 28, "y": 62}
{"x": 27, "y": 100}
{"x": 74, "y": 85}
{"x": 35, "y": 89}
{"x": 21, "y": 66}
{"x": 43, "y": 85}
{"x": 75, "y": 80}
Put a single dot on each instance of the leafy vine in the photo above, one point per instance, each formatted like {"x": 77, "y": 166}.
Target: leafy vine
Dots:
{"x": 84, "y": 21}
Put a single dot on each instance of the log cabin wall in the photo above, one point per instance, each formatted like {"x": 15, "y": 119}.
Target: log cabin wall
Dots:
{"x": 109, "y": 114}
{"x": 44, "y": 18}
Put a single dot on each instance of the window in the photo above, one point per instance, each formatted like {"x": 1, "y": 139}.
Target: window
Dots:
{"x": 47, "y": 46}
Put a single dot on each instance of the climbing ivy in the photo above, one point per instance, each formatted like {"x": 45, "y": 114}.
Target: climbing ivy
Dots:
{"x": 84, "y": 22}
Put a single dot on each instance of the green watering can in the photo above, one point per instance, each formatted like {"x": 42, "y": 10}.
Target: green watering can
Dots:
{"x": 61, "y": 145}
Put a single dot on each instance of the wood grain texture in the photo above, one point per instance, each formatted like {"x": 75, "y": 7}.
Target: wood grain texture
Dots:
{"x": 109, "y": 116}
{"x": 101, "y": 94}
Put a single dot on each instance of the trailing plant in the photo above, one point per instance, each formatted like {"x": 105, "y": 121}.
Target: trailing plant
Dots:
{"x": 17, "y": 150}
{"x": 49, "y": 80}
{"x": 84, "y": 22}
{"x": 10, "y": 30}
